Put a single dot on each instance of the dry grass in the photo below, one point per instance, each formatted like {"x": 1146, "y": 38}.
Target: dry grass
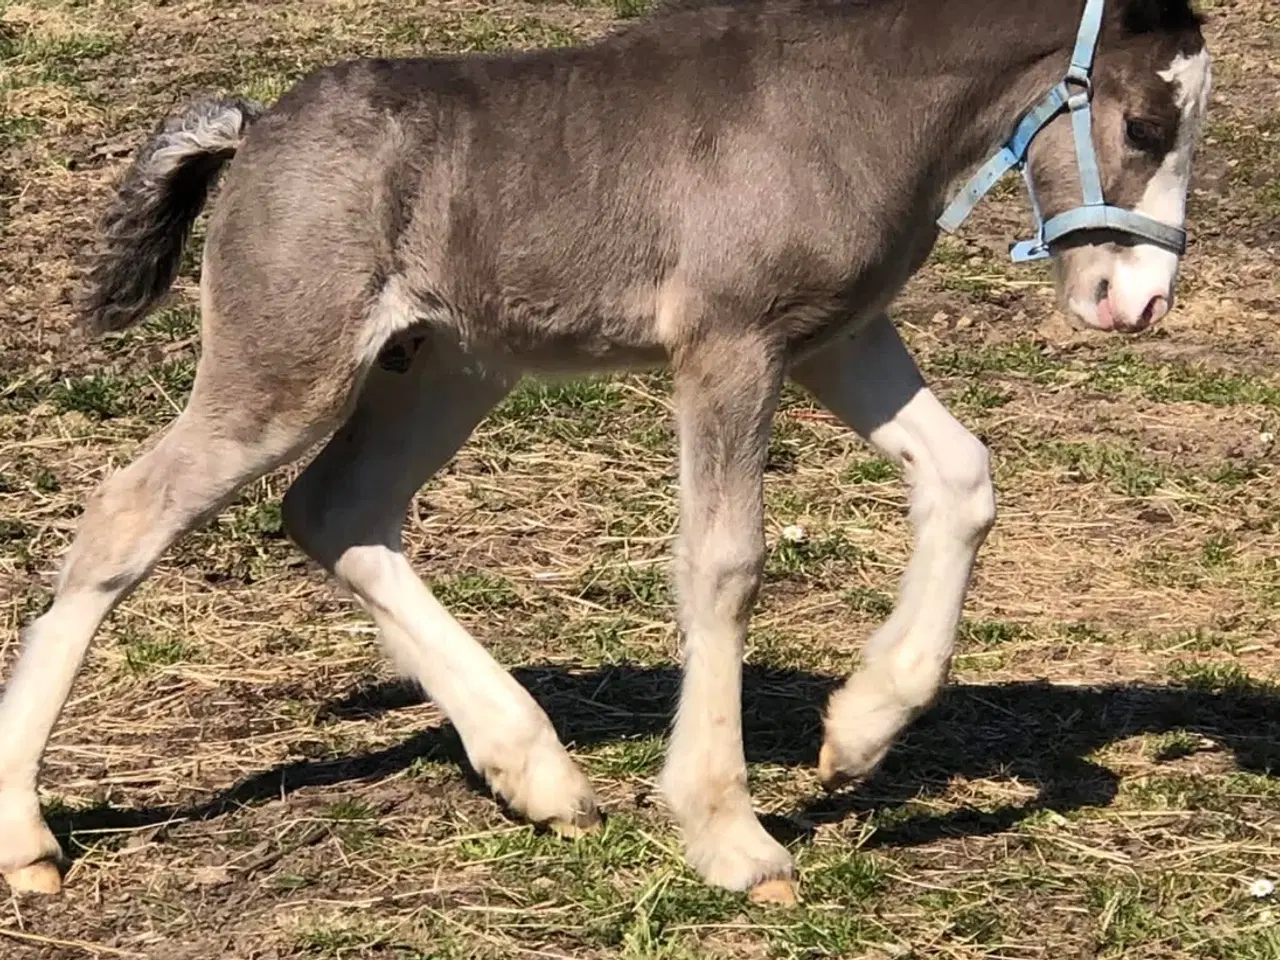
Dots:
{"x": 238, "y": 774}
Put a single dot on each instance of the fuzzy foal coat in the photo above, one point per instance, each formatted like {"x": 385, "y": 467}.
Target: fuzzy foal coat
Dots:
{"x": 724, "y": 188}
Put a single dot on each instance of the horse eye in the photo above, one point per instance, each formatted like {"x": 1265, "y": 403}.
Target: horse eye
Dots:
{"x": 1142, "y": 134}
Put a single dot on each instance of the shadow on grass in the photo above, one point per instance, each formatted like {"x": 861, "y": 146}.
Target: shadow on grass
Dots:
{"x": 1039, "y": 733}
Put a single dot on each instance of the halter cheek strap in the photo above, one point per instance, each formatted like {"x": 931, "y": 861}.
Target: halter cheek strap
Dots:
{"x": 1073, "y": 94}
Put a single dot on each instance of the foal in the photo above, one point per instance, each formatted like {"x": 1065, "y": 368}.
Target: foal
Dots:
{"x": 737, "y": 191}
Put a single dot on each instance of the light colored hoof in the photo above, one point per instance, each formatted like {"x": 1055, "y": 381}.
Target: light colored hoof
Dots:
{"x": 832, "y": 777}
{"x": 784, "y": 893}
{"x": 43, "y": 877}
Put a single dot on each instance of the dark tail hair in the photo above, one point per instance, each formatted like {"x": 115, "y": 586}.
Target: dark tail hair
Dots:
{"x": 150, "y": 217}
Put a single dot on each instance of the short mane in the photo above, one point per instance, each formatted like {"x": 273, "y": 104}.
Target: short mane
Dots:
{"x": 1138, "y": 16}
{"x": 1160, "y": 16}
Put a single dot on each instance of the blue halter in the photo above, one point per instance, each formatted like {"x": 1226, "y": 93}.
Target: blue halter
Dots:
{"x": 1074, "y": 94}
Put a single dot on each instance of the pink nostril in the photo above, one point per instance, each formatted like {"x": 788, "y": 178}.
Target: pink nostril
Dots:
{"x": 1156, "y": 309}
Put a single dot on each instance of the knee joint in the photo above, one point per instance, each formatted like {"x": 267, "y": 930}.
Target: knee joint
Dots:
{"x": 727, "y": 576}
{"x": 958, "y": 486}
{"x": 976, "y": 490}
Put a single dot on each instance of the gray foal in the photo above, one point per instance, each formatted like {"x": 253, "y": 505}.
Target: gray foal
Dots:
{"x": 737, "y": 191}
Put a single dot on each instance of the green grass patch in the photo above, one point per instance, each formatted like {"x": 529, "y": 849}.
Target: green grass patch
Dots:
{"x": 343, "y": 941}
{"x": 1123, "y": 373}
{"x": 1219, "y": 677}
{"x": 871, "y": 470}
{"x": 487, "y": 33}
{"x": 156, "y": 392}
{"x": 566, "y": 410}
{"x": 1120, "y": 467}
{"x": 34, "y": 56}
{"x": 828, "y": 553}
{"x": 640, "y": 757}
{"x": 1021, "y": 358}
{"x": 991, "y": 633}
{"x": 476, "y": 592}
{"x": 100, "y": 396}
{"x": 1222, "y": 793}
{"x": 644, "y": 589}
{"x": 610, "y": 639}
{"x": 1127, "y": 373}
{"x": 874, "y": 603}
{"x": 631, "y": 9}
{"x": 1123, "y": 918}
{"x": 353, "y": 821}
{"x": 16, "y": 130}
{"x": 146, "y": 652}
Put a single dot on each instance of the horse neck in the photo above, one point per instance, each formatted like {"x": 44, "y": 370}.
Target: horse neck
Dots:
{"x": 946, "y": 80}
{"x": 996, "y": 70}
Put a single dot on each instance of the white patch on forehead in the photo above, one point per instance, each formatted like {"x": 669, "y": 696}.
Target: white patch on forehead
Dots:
{"x": 1165, "y": 197}
{"x": 1191, "y": 77}
{"x": 1145, "y": 270}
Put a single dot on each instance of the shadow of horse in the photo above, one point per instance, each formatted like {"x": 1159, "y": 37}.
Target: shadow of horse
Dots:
{"x": 1039, "y": 733}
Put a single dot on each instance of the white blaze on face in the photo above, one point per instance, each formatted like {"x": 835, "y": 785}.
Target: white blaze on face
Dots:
{"x": 1146, "y": 271}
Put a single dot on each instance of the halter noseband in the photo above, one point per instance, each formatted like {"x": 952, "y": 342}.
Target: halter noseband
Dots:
{"x": 1074, "y": 93}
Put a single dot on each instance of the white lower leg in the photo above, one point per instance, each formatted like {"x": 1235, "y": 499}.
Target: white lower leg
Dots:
{"x": 508, "y": 738}
{"x": 904, "y": 675}
{"x": 704, "y": 779}
{"x": 724, "y": 417}
{"x": 53, "y": 648}
{"x": 129, "y": 522}
{"x": 871, "y": 383}
{"x": 346, "y": 511}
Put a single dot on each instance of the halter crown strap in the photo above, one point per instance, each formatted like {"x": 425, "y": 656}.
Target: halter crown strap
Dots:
{"x": 1087, "y": 39}
{"x": 1073, "y": 94}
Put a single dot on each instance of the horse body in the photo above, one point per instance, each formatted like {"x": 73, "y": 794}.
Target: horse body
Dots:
{"x": 738, "y": 192}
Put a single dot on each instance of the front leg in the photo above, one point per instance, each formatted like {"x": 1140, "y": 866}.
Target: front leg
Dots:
{"x": 871, "y": 383}
{"x": 726, "y": 394}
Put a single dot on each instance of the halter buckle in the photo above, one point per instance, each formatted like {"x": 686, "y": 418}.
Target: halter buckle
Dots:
{"x": 1080, "y": 76}
{"x": 1079, "y": 88}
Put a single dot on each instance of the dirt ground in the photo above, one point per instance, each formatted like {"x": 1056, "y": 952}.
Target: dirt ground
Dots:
{"x": 239, "y": 774}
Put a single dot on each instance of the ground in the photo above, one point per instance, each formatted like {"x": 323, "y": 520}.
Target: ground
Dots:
{"x": 240, "y": 774}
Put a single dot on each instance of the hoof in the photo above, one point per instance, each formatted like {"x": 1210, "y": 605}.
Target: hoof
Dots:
{"x": 781, "y": 892}
{"x": 832, "y": 777}
{"x": 43, "y": 877}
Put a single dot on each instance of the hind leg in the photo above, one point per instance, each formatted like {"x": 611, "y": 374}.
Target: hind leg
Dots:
{"x": 199, "y": 463}
{"x": 347, "y": 509}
